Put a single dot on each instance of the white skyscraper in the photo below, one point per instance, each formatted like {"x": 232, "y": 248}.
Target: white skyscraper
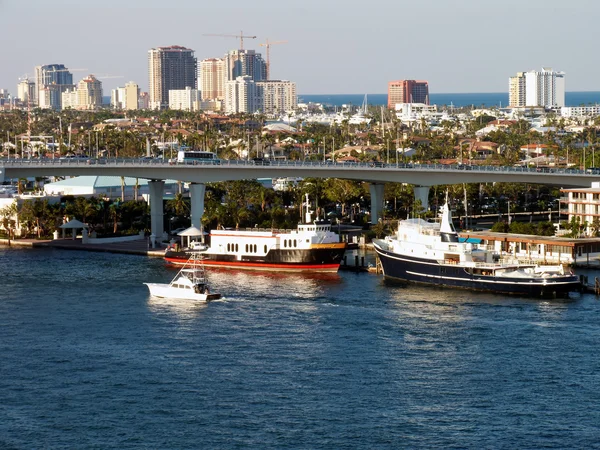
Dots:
{"x": 544, "y": 88}
{"x": 187, "y": 99}
{"x": 241, "y": 96}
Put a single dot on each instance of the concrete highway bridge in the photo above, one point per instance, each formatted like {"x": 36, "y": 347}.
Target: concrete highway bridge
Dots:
{"x": 422, "y": 176}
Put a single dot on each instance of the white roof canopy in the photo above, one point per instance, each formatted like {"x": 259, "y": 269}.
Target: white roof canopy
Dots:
{"x": 191, "y": 231}
{"x": 73, "y": 224}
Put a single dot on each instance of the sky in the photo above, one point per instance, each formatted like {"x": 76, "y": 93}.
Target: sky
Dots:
{"x": 333, "y": 46}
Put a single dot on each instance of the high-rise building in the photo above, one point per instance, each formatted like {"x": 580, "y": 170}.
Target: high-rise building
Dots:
{"x": 276, "y": 96}
{"x": 117, "y": 98}
{"x": 125, "y": 98}
{"x": 407, "y": 91}
{"x": 516, "y": 90}
{"x": 241, "y": 96}
{"x": 70, "y": 99}
{"x": 169, "y": 68}
{"x": 245, "y": 63}
{"x": 212, "y": 78}
{"x": 26, "y": 91}
{"x": 132, "y": 94}
{"x": 144, "y": 101}
{"x": 48, "y": 75}
{"x": 89, "y": 93}
{"x": 187, "y": 99}
{"x": 545, "y": 88}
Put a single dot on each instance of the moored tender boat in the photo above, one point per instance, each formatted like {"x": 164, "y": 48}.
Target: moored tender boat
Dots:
{"x": 190, "y": 283}
{"x": 430, "y": 253}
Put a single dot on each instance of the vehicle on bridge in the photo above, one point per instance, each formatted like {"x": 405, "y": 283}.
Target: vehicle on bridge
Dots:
{"x": 186, "y": 155}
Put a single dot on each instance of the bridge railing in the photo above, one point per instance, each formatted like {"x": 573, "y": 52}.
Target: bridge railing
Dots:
{"x": 143, "y": 162}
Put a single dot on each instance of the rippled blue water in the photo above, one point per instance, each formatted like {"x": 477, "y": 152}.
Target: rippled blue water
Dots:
{"x": 341, "y": 361}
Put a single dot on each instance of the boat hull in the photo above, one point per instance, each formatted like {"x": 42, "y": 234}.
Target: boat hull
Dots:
{"x": 326, "y": 258}
{"x": 402, "y": 268}
{"x": 162, "y": 290}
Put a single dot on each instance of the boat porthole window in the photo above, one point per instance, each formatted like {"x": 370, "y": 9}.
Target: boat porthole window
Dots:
{"x": 265, "y": 249}
{"x": 246, "y": 248}
{"x": 285, "y": 243}
{"x": 237, "y": 247}
{"x": 228, "y": 248}
{"x": 295, "y": 243}
{"x": 255, "y": 249}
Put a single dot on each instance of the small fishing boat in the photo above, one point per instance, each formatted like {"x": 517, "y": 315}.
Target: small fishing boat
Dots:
{"x": 190, "y": 283}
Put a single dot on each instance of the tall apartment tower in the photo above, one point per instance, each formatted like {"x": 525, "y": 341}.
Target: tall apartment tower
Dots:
{"x": 241, "y": 96}
{"x": 545, "y": 88}
{"x": 46, "y": 77}
{"x": 89, "y": 93}
{"x": 407, "y": 91}
{"x": 245, "y": 63}
{"x": 132, "y": 94}
{"x": 169, "y": 68}
{"x": 277, "y": 96}
{"x": 26, "y": 91}
{"x": 516, "y": 90}
{"x": 537, "y": 88}
{"x": 212, "y": 79}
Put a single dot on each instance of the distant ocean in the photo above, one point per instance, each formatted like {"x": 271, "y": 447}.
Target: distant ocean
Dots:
{"x": 459, "y": 100}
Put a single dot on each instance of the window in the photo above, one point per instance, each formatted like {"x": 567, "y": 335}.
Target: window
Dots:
{"x": 285, "y": 243}
{"x": 265, "y": 249}
{"x": 295, "y": 243}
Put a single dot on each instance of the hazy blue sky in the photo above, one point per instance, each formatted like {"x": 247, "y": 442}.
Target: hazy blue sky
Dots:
{"x": 351, "y": 46}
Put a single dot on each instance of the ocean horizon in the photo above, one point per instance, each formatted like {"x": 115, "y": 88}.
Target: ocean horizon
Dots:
{"x": 475, "y": 99}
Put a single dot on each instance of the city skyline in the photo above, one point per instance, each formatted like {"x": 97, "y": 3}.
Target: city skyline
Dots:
{"x": 469, "y": 47}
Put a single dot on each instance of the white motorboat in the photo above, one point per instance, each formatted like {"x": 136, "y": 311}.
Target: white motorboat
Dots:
{"x": 190, "y": 283}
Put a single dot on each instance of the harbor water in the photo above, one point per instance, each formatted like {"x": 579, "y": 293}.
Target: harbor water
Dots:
{"x": 89, "y": 360}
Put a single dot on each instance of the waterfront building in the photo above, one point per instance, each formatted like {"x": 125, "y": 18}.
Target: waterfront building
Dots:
{"x": 580, "y": 111}
{"x": 407, "y": 91}
{"x": 545, "y": 88}
{"x": 276, "y": 96}
{"x": 52, "y": 74}
{"x": 169, "y": 68}
{"x": 212, "y": 78}
{"x": 516, "y": 90}
{"x": 187, "y": 99}
{"x": 244, "y": 63}
{"x": 89, "y": 93}
{"x": 583, "y": 204}
{"x": 26, "y": 91}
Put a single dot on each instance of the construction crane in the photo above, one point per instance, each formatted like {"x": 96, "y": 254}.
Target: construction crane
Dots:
{"x": 103, "y": 76}
{"x": 240, "y": 36}
{"x": 268, "y": 46}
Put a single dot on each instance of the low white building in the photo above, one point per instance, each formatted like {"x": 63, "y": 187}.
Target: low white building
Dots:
{"x": 107, "y": 187}
{"x": 187, "y": 99}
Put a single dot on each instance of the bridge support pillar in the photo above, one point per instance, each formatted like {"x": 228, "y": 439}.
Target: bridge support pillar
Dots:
{"x": 197, "y": 191}
{"x": 422, "y": 193}
{"x": 376, "y": 191}
{"x": 157, "y": 189}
